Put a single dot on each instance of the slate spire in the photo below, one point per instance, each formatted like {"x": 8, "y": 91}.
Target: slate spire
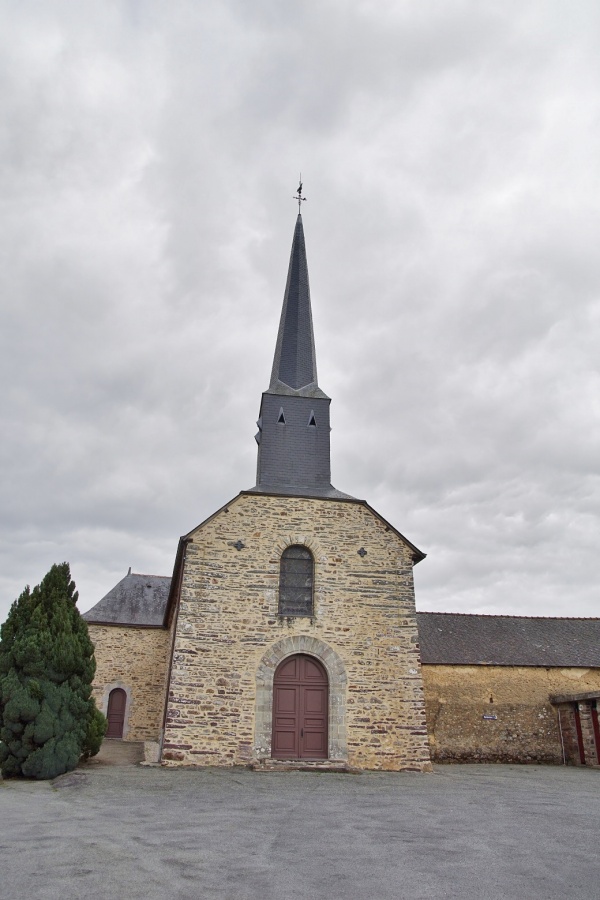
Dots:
{"x": 295, "y": 364}
{"x": 293, "y": 425}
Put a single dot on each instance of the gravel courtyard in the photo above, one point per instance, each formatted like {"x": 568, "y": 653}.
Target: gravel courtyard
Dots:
{"x": 468, "y": 832}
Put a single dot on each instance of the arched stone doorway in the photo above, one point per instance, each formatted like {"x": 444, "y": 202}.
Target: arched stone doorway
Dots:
{"x": 115, "y": 713}
{"x": 300, "y": 709}
{"x": 336, "y": 674}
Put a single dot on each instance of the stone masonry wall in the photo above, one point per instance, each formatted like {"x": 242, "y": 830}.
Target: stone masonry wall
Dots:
{"x": 135, "y": 659}
{"x": 526, "y": 726}
{"x": 229, "y": 636}
{"x": 568, "y": 727}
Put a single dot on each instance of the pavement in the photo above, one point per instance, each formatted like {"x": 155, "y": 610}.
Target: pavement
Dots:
{"x": 468, "y": 832}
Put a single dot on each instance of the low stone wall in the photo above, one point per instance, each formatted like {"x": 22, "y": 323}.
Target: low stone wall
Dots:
{"x": 134, "y": 659}
{"x": 498, "y": 713}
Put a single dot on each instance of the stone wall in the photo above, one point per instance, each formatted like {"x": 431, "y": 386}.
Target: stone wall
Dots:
{"x": 230, "y": 637}
{"x": 498, "y": 713}
{"x": 135, "y": 659}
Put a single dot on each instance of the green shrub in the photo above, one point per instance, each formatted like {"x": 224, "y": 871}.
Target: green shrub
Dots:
{"x": 47, "y": 666}
{"x": 97, "y": 726}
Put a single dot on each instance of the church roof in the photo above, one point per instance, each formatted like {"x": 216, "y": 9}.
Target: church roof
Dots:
{"x": 328, "y": 492}
{"x": 295, "y": 362}
{"x": 135, "y": 600}
{"x": 470, "y": 640}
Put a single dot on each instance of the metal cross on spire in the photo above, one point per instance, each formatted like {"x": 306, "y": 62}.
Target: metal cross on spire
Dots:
{"x": 299, "y": 196}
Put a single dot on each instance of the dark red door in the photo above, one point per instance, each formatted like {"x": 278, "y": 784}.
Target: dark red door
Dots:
{"x": 116, "y": 713}
{"x": 596, "y": 727}
{"x": 300, "y": 709}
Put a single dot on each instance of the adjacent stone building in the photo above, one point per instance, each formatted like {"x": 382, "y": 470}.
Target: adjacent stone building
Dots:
{"x": 289, "y": 632}
{"x": 511, "y": 688}
{"x": 132, "y": 647}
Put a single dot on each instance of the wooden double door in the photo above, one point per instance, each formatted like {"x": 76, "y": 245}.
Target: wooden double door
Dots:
{"x": 300, "y": 709}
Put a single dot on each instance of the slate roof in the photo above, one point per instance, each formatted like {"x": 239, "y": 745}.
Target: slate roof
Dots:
{"x": 328, "y": 492}
{"x": 135, "y": 600}
{"x": 470, "y": 640}
{"x": 295, "y": 362}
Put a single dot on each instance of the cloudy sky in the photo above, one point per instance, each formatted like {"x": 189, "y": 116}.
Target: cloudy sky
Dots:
{"x": 450, "y": 154}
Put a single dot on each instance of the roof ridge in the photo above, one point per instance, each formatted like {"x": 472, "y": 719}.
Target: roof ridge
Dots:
{"x": 145, "y": 575}
{"x": 433, "y": 612}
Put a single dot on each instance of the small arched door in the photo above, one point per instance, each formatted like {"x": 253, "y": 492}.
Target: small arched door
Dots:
{"x": 300, "y": 709}
{"x": 116, "y": 713}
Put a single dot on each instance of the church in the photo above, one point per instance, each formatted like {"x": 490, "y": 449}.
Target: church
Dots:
{"x": 287, "y": 634}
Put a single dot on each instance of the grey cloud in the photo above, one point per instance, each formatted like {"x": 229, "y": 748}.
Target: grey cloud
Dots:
{"x": 148, "y": 155}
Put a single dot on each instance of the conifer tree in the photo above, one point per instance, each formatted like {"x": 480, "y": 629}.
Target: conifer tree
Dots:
{"x": 48, "y": 717}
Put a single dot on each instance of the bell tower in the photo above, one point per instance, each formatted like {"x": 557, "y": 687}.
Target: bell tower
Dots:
{"x": 293, "y": 423}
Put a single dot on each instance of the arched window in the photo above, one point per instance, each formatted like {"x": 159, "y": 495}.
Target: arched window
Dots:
{"x": 296, "y": 582}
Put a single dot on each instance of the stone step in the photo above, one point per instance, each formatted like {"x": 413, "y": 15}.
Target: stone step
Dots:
{"x": 117, "y": 753}
{"x": 303, "y": 765}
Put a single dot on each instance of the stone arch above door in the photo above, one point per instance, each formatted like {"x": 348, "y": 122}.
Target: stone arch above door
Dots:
{"x": 336, "y": 672}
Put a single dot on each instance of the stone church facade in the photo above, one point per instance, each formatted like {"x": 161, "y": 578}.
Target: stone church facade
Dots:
{"x": 288, "y": 631}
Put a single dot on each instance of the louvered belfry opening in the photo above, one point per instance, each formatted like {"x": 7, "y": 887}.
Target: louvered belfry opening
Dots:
{"x": 296, "y": 576}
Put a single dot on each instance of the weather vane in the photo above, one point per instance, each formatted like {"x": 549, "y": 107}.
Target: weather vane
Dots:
{"x": 299, "y": 196}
